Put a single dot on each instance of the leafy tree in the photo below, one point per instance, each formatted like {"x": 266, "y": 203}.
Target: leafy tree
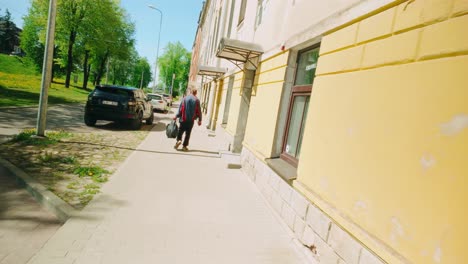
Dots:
{"x": 115, "y": 41}
{"x": 142, "y": 69}
{"x": 34, "y": 31}
{"x": 175, "y": 60}
{"x": 88, "y": 33}
{"x": 8, "y": 33}
{"x": 70, "y": 22}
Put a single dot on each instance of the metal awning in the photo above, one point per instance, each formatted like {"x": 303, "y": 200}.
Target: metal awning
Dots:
{"x": 214, "y": 72}
{"x": 238, "y": 51}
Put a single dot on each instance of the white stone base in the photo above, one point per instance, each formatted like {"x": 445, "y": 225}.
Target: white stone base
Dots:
{"x": 323, "y": 239}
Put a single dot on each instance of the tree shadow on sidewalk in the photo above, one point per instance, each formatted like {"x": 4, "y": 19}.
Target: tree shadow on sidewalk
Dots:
{"x": 201, "y": 151}
{"x": 179, "y": 152}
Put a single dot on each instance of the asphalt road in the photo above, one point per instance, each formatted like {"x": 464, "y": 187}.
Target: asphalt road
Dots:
{"x": 68, "y": 117}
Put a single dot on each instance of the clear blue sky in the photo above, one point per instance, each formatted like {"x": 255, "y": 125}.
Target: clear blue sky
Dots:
{"x": 179, "y": 22}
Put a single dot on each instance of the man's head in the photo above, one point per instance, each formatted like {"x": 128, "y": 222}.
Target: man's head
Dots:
{"x": 193, "y": 89}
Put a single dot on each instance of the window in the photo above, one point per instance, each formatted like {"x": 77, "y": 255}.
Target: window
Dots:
{"x": 231, "y": 15}
{"x": 258, "y": 18}
{"x": 242, "y": 11}
{"x": 299, "y": 105}
{"x": 218, "y": 20}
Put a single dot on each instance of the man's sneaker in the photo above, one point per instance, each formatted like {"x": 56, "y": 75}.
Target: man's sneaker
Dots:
{"x": 177, "y": 144}
{"x": 184, "y": 148}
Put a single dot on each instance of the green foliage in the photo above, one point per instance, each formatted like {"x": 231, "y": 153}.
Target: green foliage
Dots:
{"x": 15, "y": 64}
{"x": 27, "y": 137}
{"x": 8, "y": 33}
{"x": 88, "y": 32}
{"x": 96, "y": 173}
{"x": 20, "y": 85}
{"x": 175, "y": 60}
{"x": 73, "y": 185}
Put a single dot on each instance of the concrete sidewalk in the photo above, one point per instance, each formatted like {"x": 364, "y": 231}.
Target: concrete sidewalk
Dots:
{"x": 24, "y": 225}
{"x": 167, "y": 206}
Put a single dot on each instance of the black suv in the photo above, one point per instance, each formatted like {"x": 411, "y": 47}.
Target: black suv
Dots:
{"x": 118, "y": 103}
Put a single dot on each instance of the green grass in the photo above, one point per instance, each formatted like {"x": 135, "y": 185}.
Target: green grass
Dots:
{"x": 26, "y": 137}
{"x": 20, "y": 85}
{"x": 96, "y": 173}
{"x": 15, "y": 64}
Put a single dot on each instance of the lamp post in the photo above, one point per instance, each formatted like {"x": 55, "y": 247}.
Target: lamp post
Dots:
{"x": 46, "y": 69}
{"x": 157, "y": 51}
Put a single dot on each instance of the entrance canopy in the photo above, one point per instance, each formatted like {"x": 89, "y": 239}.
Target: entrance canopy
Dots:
{"x": 214, "y": 72}
{"x": 238, "y": 51}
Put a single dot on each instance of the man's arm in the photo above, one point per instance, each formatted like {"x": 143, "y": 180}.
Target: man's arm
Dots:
{"x": 179, "y": 112}
{"x": 198, "y": 111}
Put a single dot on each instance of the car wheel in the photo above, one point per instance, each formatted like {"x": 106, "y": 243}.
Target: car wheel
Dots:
{"x": 136, "y": 123}
{"x": 150, "y": 120}
{"x": 89, "y": 121}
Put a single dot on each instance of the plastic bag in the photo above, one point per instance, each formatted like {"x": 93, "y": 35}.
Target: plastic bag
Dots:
{"x": 172, "y": 129}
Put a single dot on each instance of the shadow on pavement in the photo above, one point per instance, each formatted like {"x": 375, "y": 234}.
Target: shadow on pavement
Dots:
{"x": 159, "y": 127}
{"x": 150, "y": 151}
{"x": 118, "y": 126}
{"x": 98, "y": 207}
{"x": 201, "y": 151}
{"x": 16, "y": 204}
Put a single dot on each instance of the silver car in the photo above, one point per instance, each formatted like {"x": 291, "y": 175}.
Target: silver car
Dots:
{"x": 158, "y": 102}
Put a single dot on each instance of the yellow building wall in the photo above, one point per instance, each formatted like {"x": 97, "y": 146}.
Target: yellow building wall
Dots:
{"x": 386, "y": 140}
{"x": 235, "y": 104}
{"x": 264, "y": 103}
{"x": 222, "y": 103}
{"x": 218, "y": 86}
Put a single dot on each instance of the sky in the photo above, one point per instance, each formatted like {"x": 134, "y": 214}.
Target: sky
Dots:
{"x": 179, "y": 22}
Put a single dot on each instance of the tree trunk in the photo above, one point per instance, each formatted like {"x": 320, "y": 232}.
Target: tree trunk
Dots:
{"x": 102, "y": 66}
{"x": 86, "y": 70}
{"x": 71, "y": 42}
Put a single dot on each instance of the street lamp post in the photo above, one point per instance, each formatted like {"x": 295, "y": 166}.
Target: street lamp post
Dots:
{"x": 157, "y": 51}
{"x": 46, "y": 69}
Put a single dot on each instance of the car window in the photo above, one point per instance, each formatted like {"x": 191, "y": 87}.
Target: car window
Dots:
{"x": 154, "y": 96}
{"x": 102, "y": 91}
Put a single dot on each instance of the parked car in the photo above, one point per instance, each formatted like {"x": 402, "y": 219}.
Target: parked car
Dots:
{"x": 168, "y": 99}
{"x": 158, "y": 102}
{"x": 118, "y": 103}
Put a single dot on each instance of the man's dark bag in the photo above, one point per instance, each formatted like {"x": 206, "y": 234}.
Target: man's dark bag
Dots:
{"x": 172, "y": 129}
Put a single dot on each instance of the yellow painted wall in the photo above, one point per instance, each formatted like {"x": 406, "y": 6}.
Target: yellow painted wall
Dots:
{"x": 263, "y": 113}
{"x": 218, "y": 86}
{"x": 386, "y": 140}
{"x": 235, "y": 104}
{"x": 222, "y": 102}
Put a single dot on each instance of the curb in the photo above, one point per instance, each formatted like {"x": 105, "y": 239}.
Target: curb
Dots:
{"x": 46, "y": 198}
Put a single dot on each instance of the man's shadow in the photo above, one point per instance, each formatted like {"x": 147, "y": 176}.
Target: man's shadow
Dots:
{"x": 199, "y": 151}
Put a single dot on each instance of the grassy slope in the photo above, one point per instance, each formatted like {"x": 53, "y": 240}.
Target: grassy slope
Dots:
{"x": 20, "y": 84}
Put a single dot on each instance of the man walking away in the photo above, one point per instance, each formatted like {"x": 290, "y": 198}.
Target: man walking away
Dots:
{"x": 189, "y": 110}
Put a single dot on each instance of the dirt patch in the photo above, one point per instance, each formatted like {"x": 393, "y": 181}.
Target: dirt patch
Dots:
{"x": 74, "y": 166}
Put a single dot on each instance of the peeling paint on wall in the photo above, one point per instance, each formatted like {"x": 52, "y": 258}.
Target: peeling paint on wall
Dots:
{"x": 427, "y": 161}
{"x": 397, "y": 230}
{"x": 360, "y": 205}
{"x": 324, "y": 183}
{"x": 454, "y": 126}
{"x": 437, "y": 255}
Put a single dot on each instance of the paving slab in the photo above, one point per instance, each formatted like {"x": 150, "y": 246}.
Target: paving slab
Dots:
{"x": 24, "y": 225}
{"x": 169, "y": 206}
